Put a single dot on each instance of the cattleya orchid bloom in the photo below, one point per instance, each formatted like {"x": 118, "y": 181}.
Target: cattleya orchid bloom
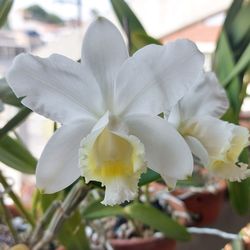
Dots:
{"x": 216, "y": 143}
{"x": 108, "y": 106}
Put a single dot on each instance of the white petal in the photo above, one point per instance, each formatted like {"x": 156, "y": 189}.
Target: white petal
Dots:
{"x": 197, "y": 149}
{"x": 166, "y": 151}
{"x": 223, "y": 142}
{"x": 156, "y": 77}
{"x": 230, "y": 171}
{"x": 56, "y": 87}
{"x": 120, "y": 190}
{"x": 206, "y": 98}
{"x": 103, "y": 52}
{"x": 215, "y": 135}
{"x": 58, "y": 166}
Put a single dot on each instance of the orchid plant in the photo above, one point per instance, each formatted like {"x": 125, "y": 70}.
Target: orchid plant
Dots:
{"x": 111, "y": 132}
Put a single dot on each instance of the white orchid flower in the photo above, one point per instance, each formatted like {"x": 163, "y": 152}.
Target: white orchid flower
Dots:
{"x": 108, "y": 106}
{"x": 216, "y": 143}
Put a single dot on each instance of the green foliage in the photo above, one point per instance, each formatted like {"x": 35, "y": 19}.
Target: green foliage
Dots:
{"x": 15, "y": 121}
{"x": 40, "y": 14}
{"x": 5, "y": 7}
{"x": 146, "y": 214}
{"x": 137, "y": 35}
{"x": 72, "y": 233}
{"x": 231, "y": 63}
{"x": 14, "y": 154}
{"x": 6, "y": 94}
{"x": 148, "y": 177}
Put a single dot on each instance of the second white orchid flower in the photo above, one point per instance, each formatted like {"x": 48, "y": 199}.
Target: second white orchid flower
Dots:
{"x": 108, "y": 105}
{"x": 216, "y": 143}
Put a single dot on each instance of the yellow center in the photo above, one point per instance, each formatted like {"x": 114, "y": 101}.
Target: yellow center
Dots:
{"x": 237, "y": 145}
{"x": 111, "y": 156}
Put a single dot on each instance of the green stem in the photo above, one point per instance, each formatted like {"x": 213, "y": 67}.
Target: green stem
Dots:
{"x": 16, "y": 200}
{"x": 71, "y": 202}
{"x": 7, "y": 217}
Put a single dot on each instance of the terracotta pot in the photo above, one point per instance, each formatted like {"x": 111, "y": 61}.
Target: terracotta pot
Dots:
{"x": 206, "y": 205}
{"x": 143, "y": 243}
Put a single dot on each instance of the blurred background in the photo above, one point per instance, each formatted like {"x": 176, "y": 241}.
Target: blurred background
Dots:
{"x": 58, "y": 26}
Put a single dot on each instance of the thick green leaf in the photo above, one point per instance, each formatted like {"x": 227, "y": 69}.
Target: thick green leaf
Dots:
{"x": 141, "y": 212}
{"x": 141, "y": 39}
{"x": 157, "y": 220}
{"x": 124, "y": 13}
{"x": 240, "y": 25}
{"x": 72, "y": 233}
{"x": 96, "y": 211}
{"x": 241, "y": 65}
{"x": 14, "y": 154}
{"x": 15, "y": 121}
{"x": 5, "y": 6}
{"x": 148, "y": 177}
{"x": 223, "y": 65}
{"x": 6, "y": 94}
{"x": 232, "y": 12}
{"x": 137, "y": 35}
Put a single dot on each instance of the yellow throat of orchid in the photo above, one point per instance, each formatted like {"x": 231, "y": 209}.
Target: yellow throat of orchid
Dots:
{"x": 108, "y": 156}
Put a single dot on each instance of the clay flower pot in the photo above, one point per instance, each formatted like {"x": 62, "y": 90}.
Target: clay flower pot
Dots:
{"x": 205, "y": 205}
{"x": 143, "y": 243}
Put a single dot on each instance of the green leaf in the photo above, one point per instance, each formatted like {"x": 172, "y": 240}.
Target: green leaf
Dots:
{"x": 96, "y": 211}
{"x": 47, "y": 199}
{"x": 241, "y": 65}
{"x": 223, "y": 65}
{"x": 239, "y": 192}
{"x": 141, "y": 39}
{"x": 240, "y": 26}
{"x": 15, "y": 121}
{"x": 136, "y": 33}
{"x": 123, "y": 12}
{"x": 148, "y": 177}
{"x": 141, "y": 212}
{"x": 72, "y": 233}
{"x": 5, "y": 6}
{"x": 157, "y": 220}
{"x": 6, "y": 94}
{"x": 15, "y": 155}
{"x": 232, "y": 12}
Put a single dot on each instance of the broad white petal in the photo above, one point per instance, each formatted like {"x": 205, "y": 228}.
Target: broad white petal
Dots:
{"x": 120, "y": 190}
{"x": 104, "y": 51}
{"x": 197, "y": 149}
{"x": 57, "y": 87}
{"x": 208, "y": 98}
{"x": 58, "y": 166}
{"x": 166, "y": 151}
{"x": 156, "y": 77}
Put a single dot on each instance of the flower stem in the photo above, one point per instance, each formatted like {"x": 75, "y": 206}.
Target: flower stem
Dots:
{"x": 73, "y": 199}
{"x": 16, "y": 200}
